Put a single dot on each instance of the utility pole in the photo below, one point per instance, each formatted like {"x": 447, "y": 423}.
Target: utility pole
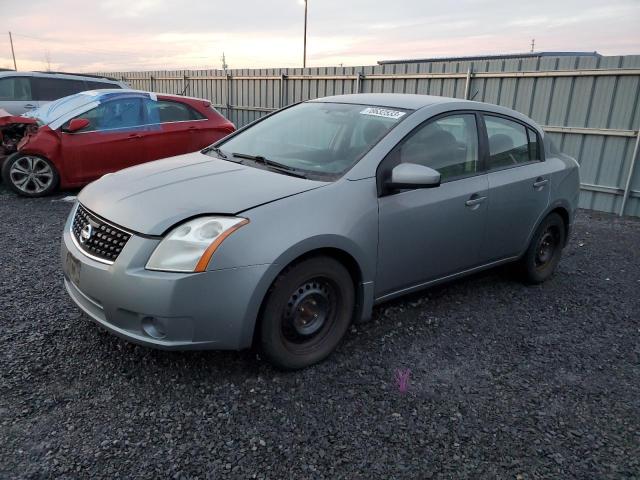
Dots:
{"x": 304, "y": 55}
{"x": 12, "y": 52}
{"x": 533, "y": 44}
{"x": 224, "y": 62}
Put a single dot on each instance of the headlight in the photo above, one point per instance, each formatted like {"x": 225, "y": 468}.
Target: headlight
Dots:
{"x": 189, "y": 247}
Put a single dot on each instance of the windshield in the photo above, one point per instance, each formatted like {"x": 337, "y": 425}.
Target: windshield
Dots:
{"x": 56, "y": 109}
{"x": 317, "y": 138}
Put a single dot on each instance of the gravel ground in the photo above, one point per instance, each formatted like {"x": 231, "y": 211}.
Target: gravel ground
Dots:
{"x": 506, "y": 381}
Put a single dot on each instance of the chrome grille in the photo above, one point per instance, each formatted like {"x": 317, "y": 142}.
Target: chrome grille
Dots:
{"x": 96, "y": 237}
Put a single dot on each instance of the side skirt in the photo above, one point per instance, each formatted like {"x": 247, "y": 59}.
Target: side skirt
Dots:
{"x": 430, "y": 283}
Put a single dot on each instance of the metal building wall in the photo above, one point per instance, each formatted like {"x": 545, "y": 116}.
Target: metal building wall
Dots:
{"x": 589, "y": 105}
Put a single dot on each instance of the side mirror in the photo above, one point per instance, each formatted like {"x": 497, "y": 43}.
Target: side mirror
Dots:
{"x": 412, "y": 175}
{"x": 77, "y": 124}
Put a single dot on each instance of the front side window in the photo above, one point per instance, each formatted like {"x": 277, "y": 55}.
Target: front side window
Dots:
{"x": 448, "y": 145}
{"x": 510, "y": 143}
{"x": 166, "y": 111}
{"x": 15, "y": 89}
{"x": 115, "y": 114}
{"x": 53, "y": 88}
{"x": 317, "y": 137}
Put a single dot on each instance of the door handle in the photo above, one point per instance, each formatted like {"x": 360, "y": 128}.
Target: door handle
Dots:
{"x": 134, "y": 136}
{"x": 29, "y": 106}
{"x": 475, "y": 200}
{"x": 540, "y": 182}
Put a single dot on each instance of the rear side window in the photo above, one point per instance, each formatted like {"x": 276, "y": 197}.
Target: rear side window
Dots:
{"x": 15, "y": 89}
{"x": 510, "y": 143}
{"x": 101, "y": 85}
{"x": 47, "y": 89}
{"x": 166, "y": 111}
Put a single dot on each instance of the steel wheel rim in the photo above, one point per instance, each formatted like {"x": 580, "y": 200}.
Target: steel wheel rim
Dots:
{"x": 309, "y": 314}
{"x": 31, "y": 174}
{"x": 546, "y": 248}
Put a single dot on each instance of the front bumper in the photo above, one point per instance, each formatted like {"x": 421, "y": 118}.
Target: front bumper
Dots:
{"x": 176, "y": 311}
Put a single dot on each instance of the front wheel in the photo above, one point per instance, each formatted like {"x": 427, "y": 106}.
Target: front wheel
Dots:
{"x": 307, "y": 312}
{"x": 542, "y": 257}
{"x": 29, "y": 175}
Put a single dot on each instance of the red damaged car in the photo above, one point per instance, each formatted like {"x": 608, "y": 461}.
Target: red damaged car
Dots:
{"x": 77, "y": 139}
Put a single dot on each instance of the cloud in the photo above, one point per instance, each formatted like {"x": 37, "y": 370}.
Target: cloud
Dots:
{"x": 122, "y": 35}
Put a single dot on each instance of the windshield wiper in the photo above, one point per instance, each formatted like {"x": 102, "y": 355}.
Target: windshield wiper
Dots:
{"x": 218, "y": 152}
{"x": 272, "y": 164}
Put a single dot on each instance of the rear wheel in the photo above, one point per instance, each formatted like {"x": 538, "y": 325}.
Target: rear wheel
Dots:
{"x": 307, "y": 312}
{"x": 542, "y": 257}
{"x": 29, "y": 175}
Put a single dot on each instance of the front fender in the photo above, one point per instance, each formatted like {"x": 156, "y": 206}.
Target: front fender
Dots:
{"x": 364, "y": 293}
{"x": 342, "y": 216}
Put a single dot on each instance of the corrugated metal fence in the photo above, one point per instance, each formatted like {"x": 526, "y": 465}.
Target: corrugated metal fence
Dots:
{"x": 588, "y": 104}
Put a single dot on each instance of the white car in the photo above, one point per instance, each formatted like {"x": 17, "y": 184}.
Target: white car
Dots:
{"x": 24, "y": 91}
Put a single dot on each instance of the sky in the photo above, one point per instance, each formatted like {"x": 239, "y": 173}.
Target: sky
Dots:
{"x": 134, "y": 35}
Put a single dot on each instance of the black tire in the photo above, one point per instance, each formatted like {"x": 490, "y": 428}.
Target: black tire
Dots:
{"x": 544, "y": 252}
{"x": 44, "y": 176}
{"x": 307, "y": 312}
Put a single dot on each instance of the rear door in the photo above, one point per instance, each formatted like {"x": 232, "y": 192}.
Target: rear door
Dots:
{"x": 174, "y": 128}
{"x": 427, "y": 234}
{"x": 518, "y": 185}
{"x": 16, "y": 95}
{"x": 113, "y": 140}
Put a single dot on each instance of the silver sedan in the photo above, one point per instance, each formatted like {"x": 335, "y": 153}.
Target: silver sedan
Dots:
{"x": 284, "y": 233}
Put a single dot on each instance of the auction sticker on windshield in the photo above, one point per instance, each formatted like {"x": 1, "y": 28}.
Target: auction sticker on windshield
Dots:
{"x": 382, "y": 112}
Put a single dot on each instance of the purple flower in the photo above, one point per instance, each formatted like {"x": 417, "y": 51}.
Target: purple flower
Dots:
{"x": 402, "y": 379}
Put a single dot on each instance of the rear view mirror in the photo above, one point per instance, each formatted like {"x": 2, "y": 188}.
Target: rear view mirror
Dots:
{"x": 77, "y": 124}
{"x": 412, "y": 175}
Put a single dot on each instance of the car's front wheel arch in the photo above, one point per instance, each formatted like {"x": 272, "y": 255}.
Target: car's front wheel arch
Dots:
{"x": 317, "y": 287}
{"x": 293, "y": 256}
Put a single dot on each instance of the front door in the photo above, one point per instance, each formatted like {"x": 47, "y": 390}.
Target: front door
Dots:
{"x": 115, "y": 139}
{"x": 518, "y": 186}
{"x": 427, "y": 234}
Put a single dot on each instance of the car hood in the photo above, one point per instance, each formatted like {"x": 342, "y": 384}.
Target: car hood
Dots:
{"x": 152, "y": 197}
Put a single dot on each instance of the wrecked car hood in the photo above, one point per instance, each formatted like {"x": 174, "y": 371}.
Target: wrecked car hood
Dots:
{"x": 13, "y": 130}
{"x": 7, "y": 119}
{"x": 152, "y": 197}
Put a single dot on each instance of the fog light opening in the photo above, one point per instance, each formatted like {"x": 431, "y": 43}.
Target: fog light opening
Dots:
{"x": 154, "y": 327}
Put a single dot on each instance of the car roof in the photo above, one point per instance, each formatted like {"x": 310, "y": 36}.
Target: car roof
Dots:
{"x": 392, "y": 100}
{"x": 76, "y": 76}
{"x": 103, "y": 92}
{"x": 417, "y": 101}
